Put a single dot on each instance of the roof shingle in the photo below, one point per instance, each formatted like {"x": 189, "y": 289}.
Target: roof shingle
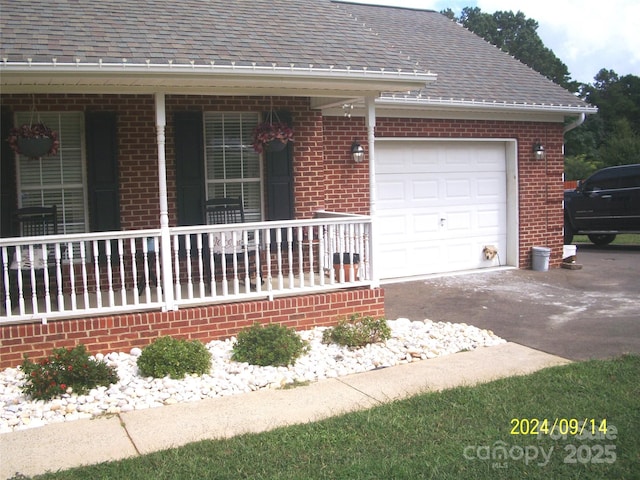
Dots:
{"x": 302, "y": 32}
{"x": 467, "y": 66}
{"x": 322, "y": 33}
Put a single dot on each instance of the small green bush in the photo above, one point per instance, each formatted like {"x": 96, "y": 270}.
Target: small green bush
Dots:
{"x": 358, "y": 331}
{"x": 173, "y": 357}
{"x": 272, "y": 344}
{"x": 64, "y": 369}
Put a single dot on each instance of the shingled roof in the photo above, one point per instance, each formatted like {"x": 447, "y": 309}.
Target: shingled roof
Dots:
{"x": 468, "y": 67}
{"x": 264, "y": 32}
{"x": 317, "y": 35}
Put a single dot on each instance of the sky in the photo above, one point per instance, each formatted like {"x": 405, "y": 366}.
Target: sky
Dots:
{"x": 586, "y": 35}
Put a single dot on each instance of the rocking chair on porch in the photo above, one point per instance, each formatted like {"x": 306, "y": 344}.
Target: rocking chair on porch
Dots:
{"x": 222, "y": 211}
{"x": 33, "y": 221}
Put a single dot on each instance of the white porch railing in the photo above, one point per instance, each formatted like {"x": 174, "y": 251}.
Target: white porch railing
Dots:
{"x": 120, "y": 272}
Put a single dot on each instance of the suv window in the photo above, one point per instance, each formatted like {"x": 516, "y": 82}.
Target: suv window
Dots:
{"x": 632, "y": 180}
{"x": 605, "y": 180}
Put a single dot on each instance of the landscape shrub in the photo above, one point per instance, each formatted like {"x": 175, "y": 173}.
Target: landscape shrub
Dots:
{"x": 66, "y": 370}
{"x": 272, "y": 344}
{"x": 173, "y": 357}
{"x": 358, "y": 331}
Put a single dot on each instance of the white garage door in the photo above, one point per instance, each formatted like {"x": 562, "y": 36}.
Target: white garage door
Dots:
{"x": 438, "y": 204}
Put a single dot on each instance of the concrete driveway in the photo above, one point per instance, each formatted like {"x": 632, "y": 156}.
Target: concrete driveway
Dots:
{"x": 575, "y": 314}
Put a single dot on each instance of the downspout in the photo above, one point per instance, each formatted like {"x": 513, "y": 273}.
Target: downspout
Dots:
{"x": 165, "y": 237}
{"x": 576, "y": 123}
{"x": 370, "y": 117}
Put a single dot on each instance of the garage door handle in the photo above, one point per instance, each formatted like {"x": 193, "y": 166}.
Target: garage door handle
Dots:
{"x": 605, "y": 196}
{"x": 442, "y": 220}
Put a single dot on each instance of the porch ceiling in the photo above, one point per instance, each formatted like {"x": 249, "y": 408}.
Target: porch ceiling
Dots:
{"x": 23, "y": 77}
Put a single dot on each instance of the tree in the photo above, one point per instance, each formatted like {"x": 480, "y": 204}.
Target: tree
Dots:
{"x": 579, "y": 167}
{"x": 518, "y": 36}
{"x": 616, "y": 98}
{"x": 612, "y": 136}
{"x": 622, "y": 146}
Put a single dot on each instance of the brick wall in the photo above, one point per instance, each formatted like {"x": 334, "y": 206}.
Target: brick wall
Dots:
{"x": 540, "y": 183}
{"x": 120, "y": 333}
{"x": 347, "y": 182}
{"x": 325, "y": 178}
{"x": 137, "y": 151}
{"x": 325, "y": 175}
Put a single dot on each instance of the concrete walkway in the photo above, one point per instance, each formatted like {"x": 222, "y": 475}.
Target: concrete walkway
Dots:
{"x": 65, "y": 445}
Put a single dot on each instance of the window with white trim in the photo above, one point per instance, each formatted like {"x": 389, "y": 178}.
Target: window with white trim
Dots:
{"x": 58, "y": 179}
{"x": 232, "y": 167}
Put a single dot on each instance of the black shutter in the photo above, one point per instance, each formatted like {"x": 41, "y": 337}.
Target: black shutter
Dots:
{"x": 8, "y": 192}
{"x": 102, "y": 169}
{"x": 280, "y": 179}
{"x": 189, "y": 167}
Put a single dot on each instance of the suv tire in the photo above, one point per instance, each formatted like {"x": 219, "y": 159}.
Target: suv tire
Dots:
{"x": 601, "y": 239}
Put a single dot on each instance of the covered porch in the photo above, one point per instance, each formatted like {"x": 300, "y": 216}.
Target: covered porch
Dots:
{"x": 141, "y": 152}
{"x": 108, "y": 273}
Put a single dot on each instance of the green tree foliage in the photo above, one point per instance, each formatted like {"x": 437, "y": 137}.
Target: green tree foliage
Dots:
{"x": 517, "y": 35}
{"x": 579, "y": 167}
{"x": 621, "y": 146}
{"x": 612, "y": 136}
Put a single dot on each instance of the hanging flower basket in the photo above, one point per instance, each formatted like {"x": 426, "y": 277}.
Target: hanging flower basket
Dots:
{"x": 272, "y": 137}
{"x": 33, "y": 140}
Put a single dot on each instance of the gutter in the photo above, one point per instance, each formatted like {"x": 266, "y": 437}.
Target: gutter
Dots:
{"x": 576, "y": 123}
{"x": 54, "y": 72}
{"x": 408, "y": 101}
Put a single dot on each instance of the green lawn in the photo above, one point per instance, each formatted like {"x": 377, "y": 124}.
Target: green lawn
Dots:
{"x": 446, "y": 435}
{"x": 625, "y": 239}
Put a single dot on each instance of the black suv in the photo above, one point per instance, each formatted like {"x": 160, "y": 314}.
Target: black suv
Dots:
{"x": 605, "y": 204}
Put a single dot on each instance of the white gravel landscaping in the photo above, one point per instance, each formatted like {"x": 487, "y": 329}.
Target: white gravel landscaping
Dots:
{"x": 410, "y": 341}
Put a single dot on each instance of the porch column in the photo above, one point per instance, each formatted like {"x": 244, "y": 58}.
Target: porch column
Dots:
{"x": 371, "y": 126}
{"x": 165, "y": 238}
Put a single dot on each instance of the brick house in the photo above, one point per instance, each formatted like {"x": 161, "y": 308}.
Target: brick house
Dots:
{"x": 155, "y": 106}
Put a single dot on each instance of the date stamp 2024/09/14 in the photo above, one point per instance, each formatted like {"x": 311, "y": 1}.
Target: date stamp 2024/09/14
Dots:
{"x": 590, "y": 441}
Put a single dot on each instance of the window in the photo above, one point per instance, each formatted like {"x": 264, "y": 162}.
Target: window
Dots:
{"x": 57, "y": 179}
{"x": 232, "y": 167}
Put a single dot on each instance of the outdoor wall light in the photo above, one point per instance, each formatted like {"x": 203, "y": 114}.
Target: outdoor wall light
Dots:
{"x": 357, "y": 152}
{"x": 538, "y": 150}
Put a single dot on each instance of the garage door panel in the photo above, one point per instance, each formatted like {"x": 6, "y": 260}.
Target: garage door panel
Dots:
{"x": 457, "y": 157}
{"x": 425, "y": 190}
{"x": 395, "y": 262}
{"x": 426, "y": 257}
{"x": 458, "y": 222}
{"x": 425, "y": 223}
{"x": 391, "y": 190}
{"x": 458, "y": 189}
{"x": 422, "y": 182}
{"x": 491, "y": 219}
{"x": 458, "y": 252}
{"x": 392, "y": 228}
{"x": 490, "y": 189}
{"x": 490, "y": 156}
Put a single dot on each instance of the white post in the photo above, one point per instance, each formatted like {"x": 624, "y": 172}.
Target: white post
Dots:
{"x": 165, "y": 239}
{"x": 371, "y": 126}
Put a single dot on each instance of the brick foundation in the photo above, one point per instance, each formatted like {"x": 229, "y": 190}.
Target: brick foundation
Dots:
{"x": 120, "y": 333}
